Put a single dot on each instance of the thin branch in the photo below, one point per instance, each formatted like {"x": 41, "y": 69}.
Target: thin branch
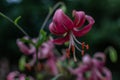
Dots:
{"x": 20, "y": 28}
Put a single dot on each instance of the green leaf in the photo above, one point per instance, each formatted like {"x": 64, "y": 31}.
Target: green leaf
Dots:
{"x": 39, "y": 76}
{"x": 22, "y": 63}
{"x": 42, "y": 38}
{"x": 112, "y": 54}
{"x": 27, "y": 78}
{"x": 17, "y": 19}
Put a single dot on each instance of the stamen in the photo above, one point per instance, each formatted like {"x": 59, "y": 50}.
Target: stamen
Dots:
{"x": 73, "y": 48}
{"x": 39, "y": 66}
{"x": 82, "y": 52}
{"x": 76, "y": 39}
{"x": 87, "y": 46}
{"x": 67, "y": 53}
{"x": 74, "y": 56}
{"x": 28, "y": 67}
{"x": 83, "y": 45}
{"x": 77, "y": 48}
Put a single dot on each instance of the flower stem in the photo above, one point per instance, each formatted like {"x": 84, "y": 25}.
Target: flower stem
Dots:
{"x": 57, "y": 76}
{"x": 19, "y": 27}
{"x": 37, "y": 56}
{"x": 50, "y": 13}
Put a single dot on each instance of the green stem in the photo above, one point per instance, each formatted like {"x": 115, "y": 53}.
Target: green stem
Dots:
{"x": 50, "y": 13}
{"x": 57, "y": 76}
{"x": 19, "y": 27}
{"x": 46, "y": 19}
{"x": 36, "y": 55}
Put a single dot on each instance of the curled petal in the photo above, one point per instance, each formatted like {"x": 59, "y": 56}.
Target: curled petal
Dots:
{"x": 86, "y": 29}
{"x": 99, "y": 60}
{"x": 22, "y": 77}
{"x": 79, "y": 18}
{"x": 94, "y": 75}
{"x": 108, "y": 75}
{"x": 60, "y": 41}
{"x": 12, "y": 75}
{"x": 52, "y": 64}
{"x": 56, "y": 29}
{"x": 101, "y": 56}
{"x": 80, "y": 77}
{"x": 87, "y": 60}
{"x": 25, "y": 49}
{"x": 62, "y": 21}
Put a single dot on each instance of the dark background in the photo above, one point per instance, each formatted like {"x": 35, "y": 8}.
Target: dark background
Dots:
{"x": 105, "y": 32}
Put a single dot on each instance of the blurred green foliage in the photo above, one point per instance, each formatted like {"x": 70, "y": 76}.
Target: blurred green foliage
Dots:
{"x": 105, "y": 32}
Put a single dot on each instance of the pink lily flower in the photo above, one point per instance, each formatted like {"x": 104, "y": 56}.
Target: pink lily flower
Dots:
{"x": 95, "y": 66}
{"x": 16, "y": 75}
{"x": 28, "y": 50}
{"x": 62, "y": 25}
{"x": 45, "y": 51}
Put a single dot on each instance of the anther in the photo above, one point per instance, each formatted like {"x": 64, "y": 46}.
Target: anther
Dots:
{"x": 82, "y": 52}
{"x": 67, "y": 53}
{"x": 39, "y": 66}
{"x": 83, "y": 45}
{"x": 73, "y": 48}
{"x": 87, "y": 46}
{"x": 28, "y": 67}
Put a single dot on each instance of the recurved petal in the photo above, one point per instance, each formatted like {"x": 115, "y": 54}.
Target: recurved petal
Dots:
{"x": 62, "y": 40}
{"x": 87, "y": 60}
{"x": 99, "y": 60}
{"x": 52, "y": 64}
{"x": 108, "y": 74}
{"x": 100, "y": 55}
{"x": 22, "y": 77}
{"x": 79, "y": 18}
{"x": 86, "y": 29}
{"x": 12, "y": 75}
{"x": 62, "y": 21}
{"x": 56, "y": 29}
{"x": 25, "y": 49}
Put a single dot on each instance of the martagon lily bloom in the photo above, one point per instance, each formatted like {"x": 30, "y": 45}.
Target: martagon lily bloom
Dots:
{"x": 45, "y": 51}
{"x": 62, "y": 25}
{"x": 15, "y": 75}
{"x": 95, "y": 66}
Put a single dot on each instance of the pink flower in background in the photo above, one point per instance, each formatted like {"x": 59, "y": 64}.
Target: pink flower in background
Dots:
{"x": 96, "y": 67}
{"x": 28, "y": 50}
{"x": 45, "y": 51}
{"x": 63, "y": 26}
{"x": 15, "y": 75}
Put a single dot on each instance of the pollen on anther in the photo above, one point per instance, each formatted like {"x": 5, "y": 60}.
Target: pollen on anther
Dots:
{"x": 82, "y": 52}
{"x": 87, "y": 46}
{"x": 67, "y": 53}
{"x": 73, "y": 48}
{"x": 83, "y": 45}
{"x": 28, "y": 67}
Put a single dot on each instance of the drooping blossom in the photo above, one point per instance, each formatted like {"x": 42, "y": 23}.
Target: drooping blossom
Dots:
{"x": 63, "y": 26}
{"x": 96, "y": 67}
{"x": 15, "y": 75}
{"x": 28, "y": 50}
{"x": 45, "y": 51}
